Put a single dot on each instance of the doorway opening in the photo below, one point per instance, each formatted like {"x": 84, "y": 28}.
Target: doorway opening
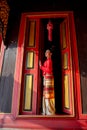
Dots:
{"x": 33, "y": 42}
{"x": 55, "y": 48}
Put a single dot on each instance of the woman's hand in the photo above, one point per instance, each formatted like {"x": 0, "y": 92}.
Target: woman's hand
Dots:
{"x": 40, "y": 63}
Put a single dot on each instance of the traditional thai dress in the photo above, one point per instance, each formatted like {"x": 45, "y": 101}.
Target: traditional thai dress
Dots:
{"x": 48, "y": 104}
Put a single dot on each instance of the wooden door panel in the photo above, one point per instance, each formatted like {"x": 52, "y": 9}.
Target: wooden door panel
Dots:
{"x": 30, "y": 68}
{"x": 67, "y": 78}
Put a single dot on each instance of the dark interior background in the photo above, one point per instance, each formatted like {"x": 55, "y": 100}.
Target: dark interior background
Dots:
{"x": 54, "y": 46}
{"x": 17, "y": 7}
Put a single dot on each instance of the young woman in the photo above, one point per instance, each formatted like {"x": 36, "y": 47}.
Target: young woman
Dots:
{"x": 48, "y": 106}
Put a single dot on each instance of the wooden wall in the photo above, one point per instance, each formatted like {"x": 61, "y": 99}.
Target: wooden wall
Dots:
{"x": 7, "y": 78}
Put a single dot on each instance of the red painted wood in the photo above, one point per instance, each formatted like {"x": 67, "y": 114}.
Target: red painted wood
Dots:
{"x": 2, "y": 49}
{"x": 18, "y": 69}
{"x": 59, "y": 14}
{"x": 32, "y": 71}
{"x": 76, "y": 73}
{"x": 67, "y": 71}
{"x": 42, "y": 123}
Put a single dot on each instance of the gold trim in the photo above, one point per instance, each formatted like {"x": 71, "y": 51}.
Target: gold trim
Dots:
{"x": 65, "y": 60}
{"x": 28, "y": 92}
{"x": 31, "y": 33}
{"x": 66, "y": 92}
{"x": 30, "y": 60}
{"x": 64, "y": 44}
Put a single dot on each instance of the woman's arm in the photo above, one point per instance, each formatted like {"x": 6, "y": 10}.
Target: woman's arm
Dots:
{"x": 48, "y": 67}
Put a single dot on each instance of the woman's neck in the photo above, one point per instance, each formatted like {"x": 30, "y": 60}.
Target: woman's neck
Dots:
{"x": 48, "y": 57}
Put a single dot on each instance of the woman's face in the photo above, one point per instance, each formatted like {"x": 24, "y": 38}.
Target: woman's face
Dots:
{"x": 48, "y": 53}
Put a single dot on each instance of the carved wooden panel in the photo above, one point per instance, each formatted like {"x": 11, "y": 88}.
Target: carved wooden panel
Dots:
{"x": 4, "y": 13}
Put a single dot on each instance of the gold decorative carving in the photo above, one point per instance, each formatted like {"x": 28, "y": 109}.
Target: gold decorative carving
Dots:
{"x": 4, "y": 13}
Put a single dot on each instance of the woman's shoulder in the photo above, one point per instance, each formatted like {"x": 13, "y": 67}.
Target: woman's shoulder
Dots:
{"x": 49, "y": 61}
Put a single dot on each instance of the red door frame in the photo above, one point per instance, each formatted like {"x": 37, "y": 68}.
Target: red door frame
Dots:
{"x": 76, "y": 70}
{"x": 33, "y": 71}
{"x": 20, "y": 52}
{"x": 38, "y": 121}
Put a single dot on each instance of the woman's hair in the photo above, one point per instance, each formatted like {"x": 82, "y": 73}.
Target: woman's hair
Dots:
{"x": 48, "y": 50}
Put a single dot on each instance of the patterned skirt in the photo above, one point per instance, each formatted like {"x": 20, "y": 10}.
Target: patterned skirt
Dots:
{"x": 48, "y": 105}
